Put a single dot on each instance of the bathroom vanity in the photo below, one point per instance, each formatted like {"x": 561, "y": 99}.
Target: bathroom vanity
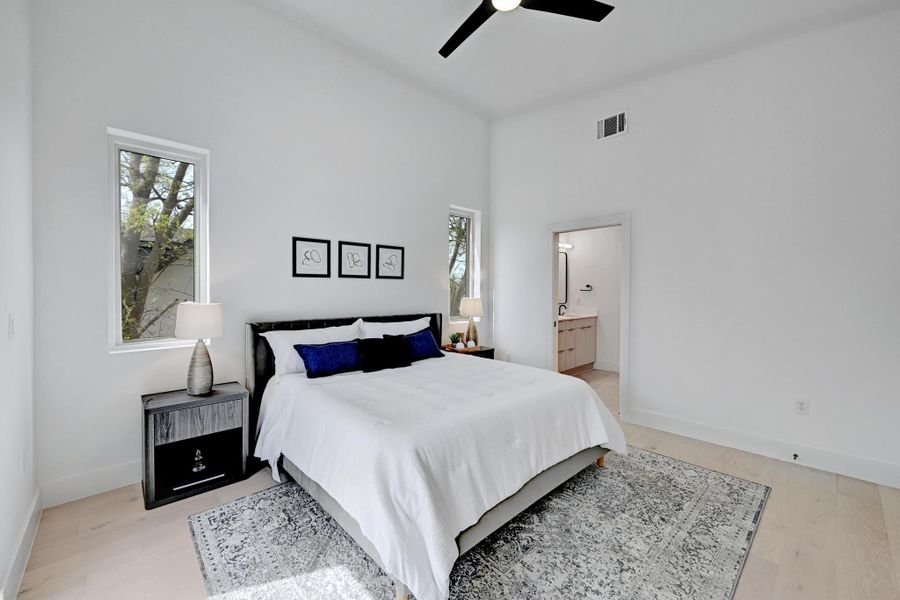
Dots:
{"x": 577, "y": 346}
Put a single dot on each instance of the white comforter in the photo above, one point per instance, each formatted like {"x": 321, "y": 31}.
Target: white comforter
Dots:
{"x": 417, "y": 455}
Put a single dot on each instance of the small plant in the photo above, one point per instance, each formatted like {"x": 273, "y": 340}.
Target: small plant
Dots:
{"x": 455, "y": 338}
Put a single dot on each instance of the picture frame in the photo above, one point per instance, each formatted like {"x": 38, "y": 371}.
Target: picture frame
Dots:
{"x": 389, "y": 262}
{"x": 312, "y": 257}
{"x": 354, "y": 260}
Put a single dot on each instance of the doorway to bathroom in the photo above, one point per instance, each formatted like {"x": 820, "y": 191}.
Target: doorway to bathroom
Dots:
{"x": 591, "y": 260}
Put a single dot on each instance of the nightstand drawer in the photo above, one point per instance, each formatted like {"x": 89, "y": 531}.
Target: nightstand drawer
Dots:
{"x": 197, "y": 463}
{"x": 176, "y": 425}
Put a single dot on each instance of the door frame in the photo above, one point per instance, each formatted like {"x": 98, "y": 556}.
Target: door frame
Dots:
{"x": 622, "y": 220}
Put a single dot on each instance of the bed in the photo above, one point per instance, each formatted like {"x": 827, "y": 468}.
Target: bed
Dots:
{"x": 420, "y": 464}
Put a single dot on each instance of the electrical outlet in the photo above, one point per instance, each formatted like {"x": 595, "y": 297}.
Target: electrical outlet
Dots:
{"x": 801, "y": 407}
{"x": 11, "y": 328}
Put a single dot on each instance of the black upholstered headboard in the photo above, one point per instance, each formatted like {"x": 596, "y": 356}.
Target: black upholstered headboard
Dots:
{"x": 261, "y": 361}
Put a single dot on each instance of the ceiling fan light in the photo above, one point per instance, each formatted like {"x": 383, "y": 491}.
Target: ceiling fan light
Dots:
{"x": 505, "y": 5}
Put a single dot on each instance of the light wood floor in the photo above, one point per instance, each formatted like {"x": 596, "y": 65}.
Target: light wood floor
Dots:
{"x": 822, "y": 536}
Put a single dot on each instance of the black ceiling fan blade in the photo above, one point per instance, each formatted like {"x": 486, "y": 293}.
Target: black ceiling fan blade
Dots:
{"x": 475, "y": 20}
{"x": 580, "y": 9}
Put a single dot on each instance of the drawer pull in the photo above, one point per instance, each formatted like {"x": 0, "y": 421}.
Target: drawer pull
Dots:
{"x": 198, "y": 463}
{"x": 196, "y": 483}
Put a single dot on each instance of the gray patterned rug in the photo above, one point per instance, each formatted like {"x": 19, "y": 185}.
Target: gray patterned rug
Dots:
{"x": 645, "y": 527}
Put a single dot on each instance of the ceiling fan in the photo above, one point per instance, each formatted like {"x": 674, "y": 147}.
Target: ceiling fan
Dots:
{"x": 580, "y": 9}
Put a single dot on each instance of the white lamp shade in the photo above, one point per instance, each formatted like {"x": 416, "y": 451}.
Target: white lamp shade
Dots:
{"x": 196, "y": 321}
{"x": 471, "y": 307}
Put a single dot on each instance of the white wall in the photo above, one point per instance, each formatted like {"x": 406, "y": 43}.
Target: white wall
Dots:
{"x": 18, "y": 493}
{"x": 596, "y": 259}
{"x": 763, "y": 189}
{"x": 304, "y": 140}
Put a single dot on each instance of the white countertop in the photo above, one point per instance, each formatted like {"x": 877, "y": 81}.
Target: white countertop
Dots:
{"x": 573, "y": 316}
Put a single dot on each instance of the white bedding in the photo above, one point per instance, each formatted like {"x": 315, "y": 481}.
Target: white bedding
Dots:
{"x": 416, "y": 455}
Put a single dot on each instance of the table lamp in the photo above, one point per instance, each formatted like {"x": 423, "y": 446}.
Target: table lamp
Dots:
{"x": 197, "y": 321}
{"x": 471, "y": 307}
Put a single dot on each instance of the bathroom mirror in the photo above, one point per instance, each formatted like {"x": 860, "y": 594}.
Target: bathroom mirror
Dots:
{"x": 562, "y": 281}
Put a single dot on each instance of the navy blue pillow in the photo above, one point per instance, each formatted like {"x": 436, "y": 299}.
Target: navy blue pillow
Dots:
{"x": 322, "y": 360}
{"x": 422, "y": 345}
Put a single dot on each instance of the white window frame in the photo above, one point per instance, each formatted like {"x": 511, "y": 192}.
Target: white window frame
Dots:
{"x": 119, "y": 140}
{"x": 474, "y": 254}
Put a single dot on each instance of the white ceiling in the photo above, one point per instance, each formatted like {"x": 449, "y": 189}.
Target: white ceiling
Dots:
{"x": 524, "y": 58}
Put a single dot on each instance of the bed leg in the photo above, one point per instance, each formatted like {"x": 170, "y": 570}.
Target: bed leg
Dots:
{"x": 401, "y": 591}
{"x": 601, "y": 461}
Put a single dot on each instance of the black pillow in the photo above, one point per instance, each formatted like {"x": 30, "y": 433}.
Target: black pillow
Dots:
{"x": 387, "y": 352}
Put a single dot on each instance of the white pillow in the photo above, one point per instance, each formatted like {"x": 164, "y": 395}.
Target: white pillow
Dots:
{"x": 282, "y": 342}
{"x": 371, "y": 329}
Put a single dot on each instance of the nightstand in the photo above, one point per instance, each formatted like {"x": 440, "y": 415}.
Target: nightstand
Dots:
{"x": 193, "y": 444}
{"x": 481, "y": 352}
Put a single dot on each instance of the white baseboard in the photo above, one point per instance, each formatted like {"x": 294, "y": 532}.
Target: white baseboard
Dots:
{"x": 87, "y": 484}
{"x": 818, "y": 458}
{"x": 606, "y": 365}
{"x": 13, "y": 576}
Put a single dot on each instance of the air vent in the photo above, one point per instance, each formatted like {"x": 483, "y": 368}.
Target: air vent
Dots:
{"x": 611, "y": 126}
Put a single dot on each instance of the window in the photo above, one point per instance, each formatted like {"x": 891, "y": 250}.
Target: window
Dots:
{"x": 464, "y": 249}
{"x": 160, "y": 253}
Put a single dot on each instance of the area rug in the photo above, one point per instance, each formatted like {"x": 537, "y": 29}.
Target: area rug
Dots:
{"x": 644, "y": 527}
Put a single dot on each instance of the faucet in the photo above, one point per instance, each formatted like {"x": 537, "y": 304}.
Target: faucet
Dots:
{"x": 562, "y": 309}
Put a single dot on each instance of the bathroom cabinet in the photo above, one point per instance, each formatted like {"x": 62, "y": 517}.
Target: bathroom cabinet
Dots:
{"x": 577, "y": 344}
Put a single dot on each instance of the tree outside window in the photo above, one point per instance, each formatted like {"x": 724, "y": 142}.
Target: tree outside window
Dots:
{"x": 460, "y": 244}
{"x": 157, "y": 253}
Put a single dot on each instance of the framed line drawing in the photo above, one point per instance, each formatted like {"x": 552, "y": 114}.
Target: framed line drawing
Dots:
{"x": 312, "y": 257}
{"x": 354, "y": 260}
{"x": 389, "y": 262}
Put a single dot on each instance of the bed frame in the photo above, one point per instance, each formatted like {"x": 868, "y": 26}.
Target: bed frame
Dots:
{"x": 261, "y": 367}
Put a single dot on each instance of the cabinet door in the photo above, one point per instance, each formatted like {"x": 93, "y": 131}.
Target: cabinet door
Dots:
{"x": 591, "y": 334}
{"x": 581, "y": 348}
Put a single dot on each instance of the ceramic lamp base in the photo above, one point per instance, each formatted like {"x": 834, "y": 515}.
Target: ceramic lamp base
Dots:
{"x": 200, "y": 371}
{"x": 472, "y": 332}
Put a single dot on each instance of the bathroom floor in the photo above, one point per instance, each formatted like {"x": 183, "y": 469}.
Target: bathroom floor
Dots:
{"x": 606, "y": 384}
